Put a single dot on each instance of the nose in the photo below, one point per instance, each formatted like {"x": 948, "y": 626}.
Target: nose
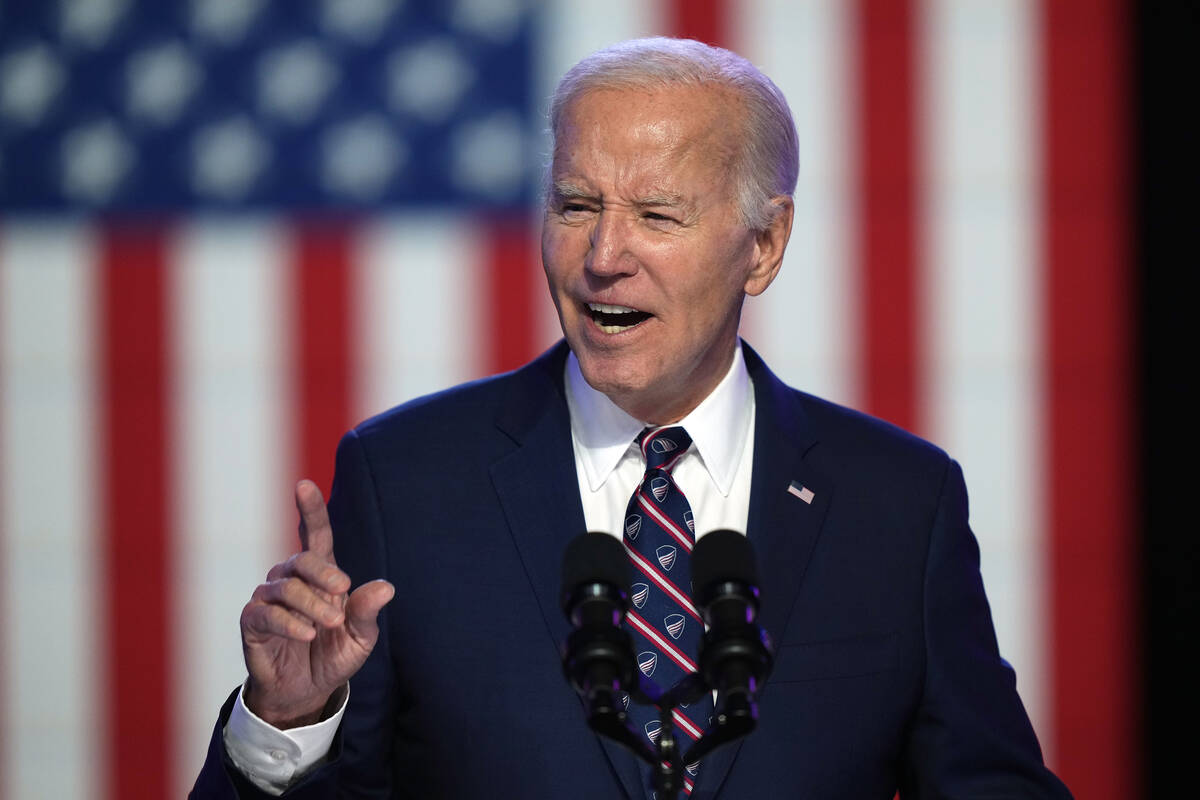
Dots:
{"x": 609, "y": 238}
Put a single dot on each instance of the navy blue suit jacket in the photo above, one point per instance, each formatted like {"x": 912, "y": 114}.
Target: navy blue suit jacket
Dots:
{"x": 887, "y": 673}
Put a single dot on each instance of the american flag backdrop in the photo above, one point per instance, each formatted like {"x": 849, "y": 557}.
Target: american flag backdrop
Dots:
{"x": 229, "y": 229}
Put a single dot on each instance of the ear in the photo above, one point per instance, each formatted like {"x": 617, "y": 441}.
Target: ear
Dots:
{"x": 769, "y": 245}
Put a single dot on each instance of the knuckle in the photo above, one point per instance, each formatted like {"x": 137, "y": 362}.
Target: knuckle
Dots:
{"x": 299, "y": 594}
{"x": 289, "y": 589}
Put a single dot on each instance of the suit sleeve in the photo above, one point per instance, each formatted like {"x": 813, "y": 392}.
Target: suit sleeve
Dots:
{"x": 358, "y": 765}
{"x": 971, "y": 736}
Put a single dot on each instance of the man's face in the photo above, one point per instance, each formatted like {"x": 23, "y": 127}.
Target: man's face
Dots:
{"x": 643, "y": 249}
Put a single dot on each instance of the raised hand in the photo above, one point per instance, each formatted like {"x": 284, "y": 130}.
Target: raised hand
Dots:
{"x": 303, "y": 637}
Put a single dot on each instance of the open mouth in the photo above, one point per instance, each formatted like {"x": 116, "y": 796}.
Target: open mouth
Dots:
{"x": 614, "y": 319}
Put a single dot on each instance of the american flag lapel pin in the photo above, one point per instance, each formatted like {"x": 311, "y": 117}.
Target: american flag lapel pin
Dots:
{"x": 801, "y": 491}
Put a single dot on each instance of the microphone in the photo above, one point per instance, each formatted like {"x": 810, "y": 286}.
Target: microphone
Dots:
{"x": 735, "y": 654}
{"x": 598, "y": 658}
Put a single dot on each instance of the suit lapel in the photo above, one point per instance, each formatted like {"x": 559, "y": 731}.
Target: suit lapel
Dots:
{"x": 782, "y": 527}
{"x": 539, "y": 492}
{"x": 537, "y": 488}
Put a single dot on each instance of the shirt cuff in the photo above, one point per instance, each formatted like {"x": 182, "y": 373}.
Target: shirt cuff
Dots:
{"x": 273, "y": 759}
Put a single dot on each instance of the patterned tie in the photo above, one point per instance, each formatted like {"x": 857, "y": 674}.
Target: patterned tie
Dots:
{"x": 666, "y": 626}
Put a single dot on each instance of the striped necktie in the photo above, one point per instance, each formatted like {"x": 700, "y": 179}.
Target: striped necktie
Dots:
{"x": 666, "y": 626}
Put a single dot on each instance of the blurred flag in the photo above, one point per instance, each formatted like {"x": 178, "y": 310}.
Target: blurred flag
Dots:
{"x": 232, "y": 228}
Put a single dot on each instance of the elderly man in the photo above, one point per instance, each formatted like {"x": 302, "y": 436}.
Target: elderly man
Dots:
{"x": 668, "y": 201}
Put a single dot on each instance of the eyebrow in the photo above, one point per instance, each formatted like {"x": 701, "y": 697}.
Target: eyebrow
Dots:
{"x": 661, "y": 197}
{"x": 567, "y": 191}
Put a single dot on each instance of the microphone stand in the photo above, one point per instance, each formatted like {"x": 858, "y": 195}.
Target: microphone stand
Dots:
{"x": 740, "y": 658}
{"x": 735, "y": 653}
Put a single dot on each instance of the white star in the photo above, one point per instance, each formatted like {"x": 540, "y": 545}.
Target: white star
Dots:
{"x": 293, "y": 80}
{"x": 30, "y": 79}
{"x": 360, "y": 157}
{"x": 225, "y": 21}
{"x": 159, "y": 81}
{"x": 497, "y": 20}
{"x": 95, "y": 159}
{"x": 227, "y": 158}
{"x": 428, "y": 80}
{"x": 488, "y": 155}
{"x": 360, "y": 20}
{"x": 90, "y": 22}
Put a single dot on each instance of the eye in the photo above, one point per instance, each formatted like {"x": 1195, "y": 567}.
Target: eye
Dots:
{"x": 659, "y": 217}
{"x": 573, "y": 209}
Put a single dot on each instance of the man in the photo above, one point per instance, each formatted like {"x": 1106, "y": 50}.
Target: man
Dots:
{"x": 668, "y": 201}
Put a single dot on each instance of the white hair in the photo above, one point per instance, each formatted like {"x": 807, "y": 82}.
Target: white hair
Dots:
{"x": 767, "y": 163}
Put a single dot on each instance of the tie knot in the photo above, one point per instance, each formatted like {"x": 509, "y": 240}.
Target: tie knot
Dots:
{"x": 662, "y": 447}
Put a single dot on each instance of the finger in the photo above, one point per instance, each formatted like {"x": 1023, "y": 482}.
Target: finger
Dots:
{"x": 299, "y": 597}
{"x": 263, "y": 620}
{"x": 316, "y": 534}
{"x": 363, "y": 607}
{"x": 316, "y": 571}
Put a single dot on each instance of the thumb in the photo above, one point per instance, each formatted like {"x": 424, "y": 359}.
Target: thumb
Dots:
{"x": 363, "y": 607}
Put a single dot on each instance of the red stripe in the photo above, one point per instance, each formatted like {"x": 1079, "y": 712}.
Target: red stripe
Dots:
{"x": 322, "y": 345}
{"x": 136, "y": 492}
{"x": 514, "y": 286}
{"x": 706, "y": 20}
{"x": 647, "y": 569}
{"x": 659, "y": 642}
{"x": 686, "y": 724}
{"x": 663, "y": 521}
{"x": 1092, "y": 484}
{"x": 887, "y": 210}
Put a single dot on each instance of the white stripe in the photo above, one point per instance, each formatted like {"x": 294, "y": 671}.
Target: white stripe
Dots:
{"x": 420, "y": 279}
{"x": 686, "y": 724}
{"x": 983, "y": 301}
{"x": 663, "y": 644}
{"x": 665, "y": 521}
{"x": 805, "y": 324}
{"x": 53, "y": 658}
{"x": 569, "y": 30}
{"x": 663, "y": 584}
{"x": 232, "y": 464}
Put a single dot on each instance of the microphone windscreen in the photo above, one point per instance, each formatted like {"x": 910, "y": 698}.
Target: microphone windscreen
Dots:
{"x": 720, "y": 556}
{"x": 595, "y": 558}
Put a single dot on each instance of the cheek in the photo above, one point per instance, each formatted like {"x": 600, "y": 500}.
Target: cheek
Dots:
{"x": 552, "y": 258}
{"x": 561, "y": 250}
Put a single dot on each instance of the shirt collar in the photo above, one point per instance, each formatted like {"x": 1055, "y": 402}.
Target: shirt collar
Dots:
{"x": 718, "y": 426}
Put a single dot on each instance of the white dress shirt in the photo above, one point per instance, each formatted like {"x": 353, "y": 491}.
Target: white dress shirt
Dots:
{"x": 714, "y": 474}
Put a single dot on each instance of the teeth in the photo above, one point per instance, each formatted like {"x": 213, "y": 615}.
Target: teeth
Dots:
{"x": 605, "y": 308}
{"x": 613, "y": 328}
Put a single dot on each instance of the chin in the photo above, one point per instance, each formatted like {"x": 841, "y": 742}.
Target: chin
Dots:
{"x": 610, "y": 374}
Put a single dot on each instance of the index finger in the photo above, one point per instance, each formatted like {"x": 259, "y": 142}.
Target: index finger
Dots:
{"x": 316, "y": 534}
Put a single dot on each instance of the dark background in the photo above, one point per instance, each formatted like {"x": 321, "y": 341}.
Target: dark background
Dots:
{"x": 1166, "y": 51}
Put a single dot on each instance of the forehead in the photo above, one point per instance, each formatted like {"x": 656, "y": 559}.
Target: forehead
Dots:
{"x": 629, "y": 132}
